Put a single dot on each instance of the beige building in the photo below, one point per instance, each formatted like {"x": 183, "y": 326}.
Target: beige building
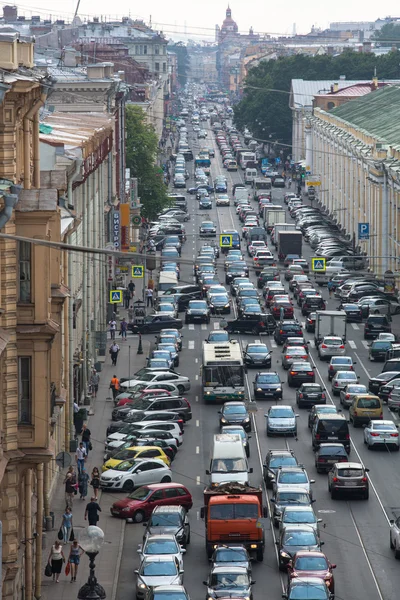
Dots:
{"x": 355, "y": 150}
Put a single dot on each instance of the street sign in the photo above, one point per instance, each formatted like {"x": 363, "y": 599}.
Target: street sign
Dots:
{"x": 136, "y": 220}
{"x": 225, "y": 240}
{"x": 318, "y": 264}
{"x": 363, "y": 231}
{"x": 313, "y": 183}
{"x": 138, "y": 271}
{"x": 116, "y": 296}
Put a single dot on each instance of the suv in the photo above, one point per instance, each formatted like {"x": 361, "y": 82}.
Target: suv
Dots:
{"x": 312, "y": 303}
{"x": 376, "y": 324}
{"x": 169, "y": 519}
{"x": 348, "y": 477}
{"x": 139, "y": 505}
{"x": 292, "y": 477}
{"x": 180, "y": 406}
{"x": 255, "y": 323}
{"x": 285, "y": 329}
{"x": 182, "y": 294}
{"x": 330, "y": 428}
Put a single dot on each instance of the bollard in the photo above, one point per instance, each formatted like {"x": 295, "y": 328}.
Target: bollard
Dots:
{"x": 140, "y": 347}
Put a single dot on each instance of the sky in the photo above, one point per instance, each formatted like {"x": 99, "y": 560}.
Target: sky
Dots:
{"x": 198, "y": 19}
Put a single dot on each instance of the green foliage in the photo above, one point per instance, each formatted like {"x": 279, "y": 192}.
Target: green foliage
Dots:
{"x": 389, "y": 35}
{"x": 264, "y": 108}
{"x": 141, "y": 154}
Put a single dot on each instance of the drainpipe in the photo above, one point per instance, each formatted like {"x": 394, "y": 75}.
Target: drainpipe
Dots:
{"x": 39, "y": 531}
{"x": 89, "y": 266}
{"x": 84, "y": 289}
{"x": 385, "y": 221}
{"x": 27, "y": 142}
{"x": 28, "y": 535}
{"x": 10, "y": 200}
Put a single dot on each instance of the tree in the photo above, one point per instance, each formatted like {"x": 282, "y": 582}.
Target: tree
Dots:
{"x": 141, "y": 155}
{"x": 389, "y": 35}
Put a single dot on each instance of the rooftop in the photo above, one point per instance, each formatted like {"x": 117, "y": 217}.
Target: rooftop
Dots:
{"x": 73, "y": 129}
{"x": 358, "y": 90}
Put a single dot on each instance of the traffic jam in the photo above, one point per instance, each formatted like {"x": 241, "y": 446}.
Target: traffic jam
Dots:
{"x": 259, "y": 444}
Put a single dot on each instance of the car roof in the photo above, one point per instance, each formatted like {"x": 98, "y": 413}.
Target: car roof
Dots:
{"x": 163, "y": 486}
{"x": 168, "y": 508}
{"x": 229, "y": 570}
{"x": 161, "y": 536}
{"x": 350, "y": 465}
{"x": 332, "y": 416}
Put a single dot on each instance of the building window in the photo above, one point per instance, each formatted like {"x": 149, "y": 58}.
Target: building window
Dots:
{"x": 331, "y": 105}
{"x": 140, "y": 49}
{"x": 157, "y": 66}
{"x": 136, "y": 49}
{"x": 24, "y": 266}
{"x": 145, "y": 49}
{"x": 25, "y": 390}
{"x": 164, "y": 50}
{"x": 164, "y": 67}
{"x": 157, "y": 49}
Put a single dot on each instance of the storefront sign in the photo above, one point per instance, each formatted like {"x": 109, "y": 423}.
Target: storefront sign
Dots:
{"x": 116, "y": 229}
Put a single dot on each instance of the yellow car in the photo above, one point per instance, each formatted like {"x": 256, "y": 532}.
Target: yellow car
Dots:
{"x": 136, "y": 452}
{"x": 364, "y": 408}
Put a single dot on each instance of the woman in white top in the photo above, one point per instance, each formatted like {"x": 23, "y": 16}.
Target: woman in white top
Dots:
{"x": 56, "y": 560}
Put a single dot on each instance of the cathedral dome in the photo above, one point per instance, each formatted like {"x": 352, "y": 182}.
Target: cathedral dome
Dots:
{"x": 229, "y": 25}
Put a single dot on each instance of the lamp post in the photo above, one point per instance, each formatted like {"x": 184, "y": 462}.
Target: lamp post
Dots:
{"x": 91, "y": 540}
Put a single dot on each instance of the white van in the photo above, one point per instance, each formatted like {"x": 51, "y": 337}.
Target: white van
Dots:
{"x": 167, "y": 279}
{"x": 323, "y": 277}
{"x": 250, "y": 175}
{"x": 228, "y": 460}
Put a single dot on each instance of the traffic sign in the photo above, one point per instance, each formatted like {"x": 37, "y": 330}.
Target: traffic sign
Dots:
{"x": 116, "y": 296}
{"x": 225, "y": 240}
{"x": 363, "y": 231}
{"x": 318, "y": 264}
{"x": 313, "y": 183}
{"x": 136, "y": 220}
{"x": 138, "y": 271}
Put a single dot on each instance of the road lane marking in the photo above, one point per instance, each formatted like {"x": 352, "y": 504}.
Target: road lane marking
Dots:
{"x": 191, "y": 345}
{"x": 197, "y": 423}
{"x": 303, "y": 324}
{"x": 197, "y": 378}
{"x": 365, "y": 344}
{"x": 216, "y": 325}
{"x": 196, "y": 360}
{"x": 197, "y": 398}
{"x": 198, "y": 480}
{"x": 362, "y": 365}
{"x": 197, "y": 449}
{"x": 191, "y": 326}
{"x": 204, "y": 326}
{"x": 312, "y": 343}
{"x": 273, "y": 344}
{"x": 352, "y": 344}
{"x": 355, "y": 326}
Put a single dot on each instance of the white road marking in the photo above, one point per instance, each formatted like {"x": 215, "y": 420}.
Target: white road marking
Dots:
{"x": 198, "y": 515}
{"x": 362, "y": 365}
{"x": 194, "y": 256}
{"x": 312, "y": 343}
{"x": 355, "y": 326}
{"x": 197, "y": 377}
{"x": 197, "y": 449}
{"x": 191, "y": 345}
{"x": 196, "y": 360}
{"x": 365, "y": 344}
{"x": 216, "y": 325}
{"x": 191, "y": 326}
{"x": 197, "y": 423}
{"x": 273, "y": 344}
{"x": 303, "y": 324}
{"x": 204, "y": 326}
{"x": 197, "y": 398}
{"x": 352, "y": 344}
{"x": 198, "y": 480}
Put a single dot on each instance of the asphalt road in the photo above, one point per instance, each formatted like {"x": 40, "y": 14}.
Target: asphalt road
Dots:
{"x": 355, "y": 532}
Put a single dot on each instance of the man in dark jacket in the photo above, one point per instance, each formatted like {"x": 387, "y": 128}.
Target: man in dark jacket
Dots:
{"x": 92, "y": 510}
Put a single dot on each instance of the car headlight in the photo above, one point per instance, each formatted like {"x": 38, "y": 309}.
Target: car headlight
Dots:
{"x": 143, "y": 586}
{"x": 259, "y": 390}
{"x": 278, "y": 389}
{"x": 246, "y": 420}
{"x": 126, "y": 509}
{"x": 117, "y": 478}
{"x": 227, "y": 305}
{"x": 223, "y": 420}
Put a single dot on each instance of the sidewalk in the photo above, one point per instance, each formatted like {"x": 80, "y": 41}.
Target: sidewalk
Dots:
{"x": 109, "y": 558}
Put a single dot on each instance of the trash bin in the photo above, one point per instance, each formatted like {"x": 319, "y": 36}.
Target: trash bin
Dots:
{"x": 98, "y": 366}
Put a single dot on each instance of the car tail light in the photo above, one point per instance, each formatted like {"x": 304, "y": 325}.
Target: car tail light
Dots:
{"x": 310, "y": 372}
{"x": 347, "y": 396}
{"x": 323, "y": 395}
{"x": 394, "y": 435}
{"x": 336, "y": 384}
{"x": 187, "y": 401}
{"x": 301, "y": 395}
{"x": 364, "y": 480}
{"x": 355, "y": 413}
{"x": 255, "y": 258}
{"x": 289, "y": 357}
{"x": 293, "y": 372}
{"x": 347, "y": 438}
{"x": 375, "y": 434}
{"x": 381, "y": 416}
{"x": 341, "y": 346}
{"x": 324, "y": 346}
{"x": 317, "y": 436}
{"x": 335, "y": 479}
{"x": 281, "y": 331}
{"x": 331, "y": 368}
{"x": 351, "y": 368}
{"x": 322, "y": 460}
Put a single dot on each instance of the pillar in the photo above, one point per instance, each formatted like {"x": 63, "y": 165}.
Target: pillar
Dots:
{"x": 28, "y": 535}
{"x": 39, "y": 530}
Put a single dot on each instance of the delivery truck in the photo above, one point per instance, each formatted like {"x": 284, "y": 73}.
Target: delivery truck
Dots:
{"x": 330, "y": 322}
{"x": 281, "y": 227}
{"x": 273, "y": 216}
{"x": 289, "y": 242}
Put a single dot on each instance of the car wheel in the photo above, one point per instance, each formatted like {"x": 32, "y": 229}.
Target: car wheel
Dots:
{"x": 146, "y": 329}
{"x": 181, "y": 390}
{"x": 138, "y": 517}
{"x": 166, "y": 479}
{"x": 128, "y": 486}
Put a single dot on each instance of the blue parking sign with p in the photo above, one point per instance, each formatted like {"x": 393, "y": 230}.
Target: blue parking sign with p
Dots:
{"x": 363, "y": 231}
{"x": 225, "y": 240}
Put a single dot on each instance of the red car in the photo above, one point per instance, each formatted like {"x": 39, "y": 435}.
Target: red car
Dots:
{"x": 286, "y": 306}
{"x": 140, "y": 504}
{"x": 130, "y": 398}
{"x": 312, "y": 564}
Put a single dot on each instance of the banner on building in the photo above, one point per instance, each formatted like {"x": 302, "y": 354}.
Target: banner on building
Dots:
{"x": 116, "y": 229}
{"x": 125, "y": 214}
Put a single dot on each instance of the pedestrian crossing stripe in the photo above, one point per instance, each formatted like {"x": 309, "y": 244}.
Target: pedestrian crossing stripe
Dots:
{"x": 225, "y": 240}
{"x": 137, "y": 271}
{"x": 318, "y": 264}
{"x": 115, "y": 296}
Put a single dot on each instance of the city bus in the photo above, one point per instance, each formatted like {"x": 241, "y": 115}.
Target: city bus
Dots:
{"x": 223, "y": 372}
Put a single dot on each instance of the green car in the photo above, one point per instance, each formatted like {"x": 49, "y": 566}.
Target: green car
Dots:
{"x": 378, "y": 350}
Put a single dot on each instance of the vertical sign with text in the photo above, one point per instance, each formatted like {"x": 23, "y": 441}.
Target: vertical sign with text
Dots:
{"x": 116, "y": 229}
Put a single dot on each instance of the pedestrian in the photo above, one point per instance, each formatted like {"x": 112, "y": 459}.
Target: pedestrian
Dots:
{"x": 80, "y": 457}
{"x": 130, "y": 314}
{"x": 330, "y": 288}
{"x": 94, "y": 382}
{"x": 95, "y": 483}
{"x": 131, "y": 288}
{"x": 149, "y": 296}
{"x": 113, "y": 326}
{"x": 123, "y": 328}
{"x": 70, "y": 490}
{"x": 86, "y": 433}
{"x": 127, "y": 297}
{"x": 66, "y": 524}
{"x": 56, "y": 560}
{"x": 289, "y": 183}
{"x": 75, "y": 554}
{"x": 114, "y": 386}
{"x": 92, "y": 510}
{"x": 114, "y": 349}
{"x": 83, "y": 481}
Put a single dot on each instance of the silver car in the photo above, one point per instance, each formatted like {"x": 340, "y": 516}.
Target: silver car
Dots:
{"x": 299, "y": 515}
{"x": 157, "y": 570}
{"x": 289, "y": 477}
{"x": 395, "y": 537}
{"x": 384, "y": 433}
{"x": 342, "y": 379}
{"x": 293, "y": 353}
{"x": 331, "y": 345}
{"x": 164, "y": 544}
{"x": 339, "y": 363}
{"x": 281, "y": 420}
{"x": 347, "y": 393}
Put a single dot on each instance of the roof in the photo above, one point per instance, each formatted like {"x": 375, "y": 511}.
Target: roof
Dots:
{"x": 375, "y": 113}
{"x": 73, "y": 129}
{"x": 303, "y": 91}
{"x": 360, "y": 89}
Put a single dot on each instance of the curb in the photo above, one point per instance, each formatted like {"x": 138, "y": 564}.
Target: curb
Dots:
{"x": 118, "y": 565}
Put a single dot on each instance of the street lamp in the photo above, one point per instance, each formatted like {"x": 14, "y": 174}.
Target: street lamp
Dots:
{"x": 91, "y": 540}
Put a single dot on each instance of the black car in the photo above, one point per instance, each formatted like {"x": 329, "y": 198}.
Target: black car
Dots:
{"x": 267, "y": 385}
{"x": 285, "y": 329}
{"x": 156, "y": 323}
{"x": 375, "y": 383}
{"x": 378, "y": 350}
{"x": 256, "y": 355}
{"x": 300, "y": 372}
{"x": 197, "y": 312}
{"x": 329, "y": 454}
{"x": 171, "y": 520}
{"x": 236, "y": 269}
{"x": 219, "y": 304}
{"x": 353, "y": 312}
{"x": 235, "y": 413}
{"x": 376, "y": 324}
{"x": 310, "y": 322}
{"x": 255, "y": 323}
{"x": 205, "y": 203}
{"x": 274, "y": 460}
{"x": 311, "y": 303}
{"x": 309, "y": 394}
{"x": 293, "y": 539}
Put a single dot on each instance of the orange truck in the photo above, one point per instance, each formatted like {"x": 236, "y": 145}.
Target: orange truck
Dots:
{"x": 233, "y": 514}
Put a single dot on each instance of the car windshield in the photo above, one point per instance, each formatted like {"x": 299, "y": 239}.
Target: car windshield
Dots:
{"x": 381, "y": 345}
{"x": 368, "y": 403}
{"x": 166, "y": 595}
{"x": 256, "y": 349}
{"x": 311, "y": 563}
{"x": 311, "y": 388}
{"x": 306, "y": 591}
{"x": 165, "y": 520}
{"x": 356, "y": 389}
{"x": 201, "y": 304}
{"x": 341, "y": 361}
{"x": 230, "y": 555}
{"x": 126, "y": 465}
{"x": 236, "y": 409}
{"x": 159, "y": 569}
{"x": 141, "y": 493}
{"x": 301, "y": 366}
{"x": 222, "y": 580}
{"x": 218, "y": 337}
{"x": 268, "y": 378}
{"x": 332, "y": 451}
{"x": 228, "y": 465}
{"x": 161, "y": 547}
{"x": 297, "y": 516}
{"x": 292, "y": 477}
{"x": 223, "y": 512}
{"x": 384, "y": 427}
{"x": 333, "y": 341}
{"x": 299, "y": 538}
{"x": 282, "y": 461}
{"x": 281, "y": 413}
{"x": 346, "y": 375}
{"x": 292, "y": 498}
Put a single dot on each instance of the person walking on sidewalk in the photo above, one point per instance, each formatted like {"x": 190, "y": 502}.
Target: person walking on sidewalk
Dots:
{"x": 56, "y": 560}
{"x": 86, "y": 433}
{"x": 75, "y": 554}
{"x": 92, "y": 511}
{"x": 113, "y": 326}
{"x": 149, "y": 296}
{"x": 114, "y": 386}
{"x": 95, "y": 483}
{"x": 124, "y": 328}
{"x": 83, "y": 481}
{"x": 130, "y": 314}
{"x": 131, "y": 288}
{"x": 66, "y": 524}
{"x": 70, "y": 489}
{"x": 80, "y": 457}
{"x": 127, "y": 297}
{"x": 94, "y": 382}
{"x": 114, "y": 349}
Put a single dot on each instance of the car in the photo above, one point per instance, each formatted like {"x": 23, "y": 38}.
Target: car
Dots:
{"x": 164, "y": 544}
{"x": 375, "y": 383}
{"x": 328, "y": 454}
{"x": 376, "y": 324}
{"x": 300, "y": 372}
{"x": 285, "y": 329}
{"x": 255, "y": 323}
{"x": 181, "y": 381}
{"x": 291, "y": 477}
{"x": 222, "y": 200}
{"x": 395, "y": 536}
{"x": 331, "y": 345}
{"x": 197, "y": 312}
{"x": 364, "y": 408}
{"x": 226, "y": 581}
{"x": 348, "y": 393}
{"x": 298, "y": 342}
{"x": 128, "y": 455}
{"x": 170, "y": 520}
{"x": 311, "y": 303}
{"x": 238, "y": 430}
{"x": 232, "y": 556}
{"x": 156, "y": 323}
{"x": 293, "y": 539}
{"x": 139, "y": 505}
{"x": 378, "y": 350}
{"x": 309, "y": 394}
{"x": 297, "y": 516}
{"x": 274, "y": 460}
{"x": 282, "y": 308}
{"x": 390, "y": 393}
{"x": 387, "y": 337}
{"x": 381, "y": 432}
{"x": 342, "y": 379}
{"x": 267, "y": 385}
{"x": 281, "y": 420}
{"x": 310, "y": 322}
{"x": 207, "y": 229}
{"x": 353, "y": 312}
{"x": 340, "y": 363}
{"x": 320, "y": 409}
{"x": 130, "y": 474}
{"x": 293, "y": 354}
{"x": 349, "y": 478}
{"x": 256, "y": 354}
{"x": 289, "y": 497}
{"x": 217, "y": 337}
{"x": 235, "y": 413}
{"x": 205, "y": 203}
{"x": 219, "y": 303}
{"x": 306, "y": 564}
{"x": 309, "y": 586}
{"x": 157, "y": 570}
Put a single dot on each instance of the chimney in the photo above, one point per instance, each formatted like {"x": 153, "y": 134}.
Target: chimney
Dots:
{"x": 108, "y": 69}
{"x": 70, "y": 57}
{"x": 95, "y": 71}
{"x": 121, "y": 75}
{"x": 10, "y": 13}
{"x": 366, "y": 47}
{"x": 374, "y": 84}
{"x": 335, "y": 87}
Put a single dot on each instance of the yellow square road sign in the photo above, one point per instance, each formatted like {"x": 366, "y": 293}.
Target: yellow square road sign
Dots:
{"x": 115, "y": 296}
{"x": 318, "y": 264}
{"x": 225, "y": 240}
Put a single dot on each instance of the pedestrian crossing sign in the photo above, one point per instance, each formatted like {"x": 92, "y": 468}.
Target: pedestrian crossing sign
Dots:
{"x": 318, "y": 264}
{"x": 116, "y": 296}
{"x": 225, "y": 240}
{"x": 137, "y": 271}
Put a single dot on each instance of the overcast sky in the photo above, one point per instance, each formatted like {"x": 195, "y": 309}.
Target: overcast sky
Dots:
{"x": 198, "y": 19}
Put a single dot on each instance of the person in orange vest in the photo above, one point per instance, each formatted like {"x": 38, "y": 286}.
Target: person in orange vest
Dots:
{"x": 114, "y": 386}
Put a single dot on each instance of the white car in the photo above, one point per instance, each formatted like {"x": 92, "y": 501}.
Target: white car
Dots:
{"x": 299, "y": 515}
{"x": 256, "y": 245}
{"x": 330, "y": 345}
{"x": 386, "y": 337}
{"x": 381, "y": 432}
{"x": 181, "y": 382}
{"x": 343, "y": 379}
{"x": 339, "y": 363}
{"x": 131, "y": 474}
{"x": 163, "y": 544}
{"x": 395, "y": 537}
{"x": 222, "y": 200}
{"x": 155, "y": 571}
{"x": 144, "y": 426}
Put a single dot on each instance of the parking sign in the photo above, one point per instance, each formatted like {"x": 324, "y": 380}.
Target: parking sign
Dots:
{"x": 363, "y": 231}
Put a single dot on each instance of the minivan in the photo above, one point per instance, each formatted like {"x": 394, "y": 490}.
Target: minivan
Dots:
{"x": 364, "y": 408}
{"x": 250, "y": 175}
{"x": 167, "y": 280}
{"x": 228, "y": 461}
{"x": 330, "y": 428}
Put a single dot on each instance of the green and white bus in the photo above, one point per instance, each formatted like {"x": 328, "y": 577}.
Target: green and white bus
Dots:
{"x": 223, "y": 372}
